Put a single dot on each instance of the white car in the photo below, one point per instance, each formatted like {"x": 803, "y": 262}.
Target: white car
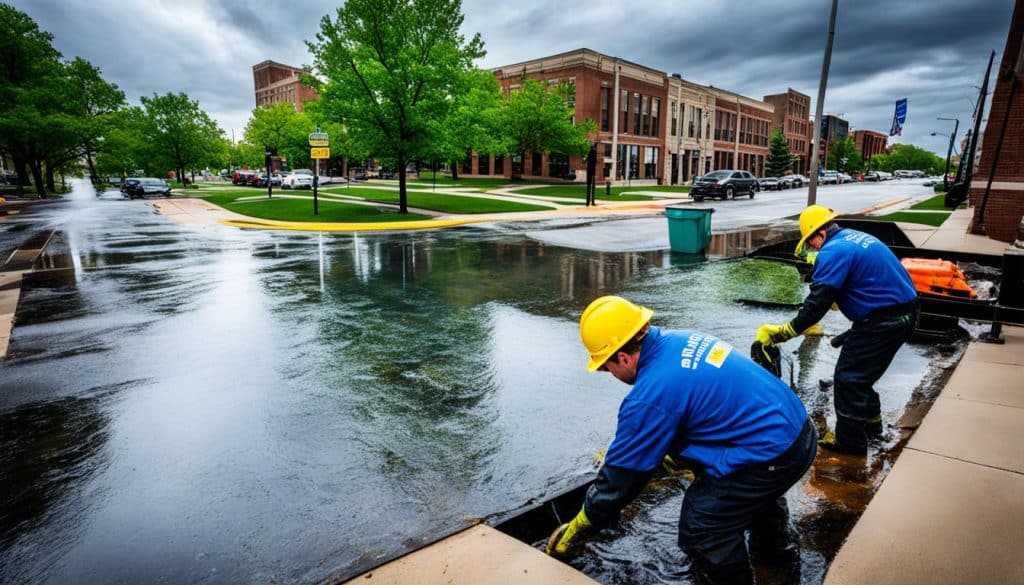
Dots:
{"x": 298, "y": 179}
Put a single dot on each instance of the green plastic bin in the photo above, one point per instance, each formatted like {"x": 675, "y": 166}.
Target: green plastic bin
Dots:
{"x": 689, "y": 229}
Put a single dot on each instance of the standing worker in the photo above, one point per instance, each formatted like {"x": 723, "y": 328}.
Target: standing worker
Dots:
{"x": 864, "y": 278}
{"x": 745, "y": 434}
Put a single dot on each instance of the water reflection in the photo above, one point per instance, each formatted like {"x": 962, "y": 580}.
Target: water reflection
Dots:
{"x": 289, "y": 405}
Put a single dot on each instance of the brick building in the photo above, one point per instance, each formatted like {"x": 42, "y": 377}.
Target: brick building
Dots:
{"x": 998, "y": 212}
{"x": 275, "y": 83}
{"x": 688, "y": 144}
{"x": 869, "y": 143}
{"x": 741, "y": 131}
{"x": 627, "y": 101}
{"x": 833, "y": 129}
{"x": 792, "y": 115}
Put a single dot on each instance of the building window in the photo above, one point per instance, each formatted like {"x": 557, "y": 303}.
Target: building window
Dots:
{"x": 672, "y": 132}
{"x": 651, "y": 162}
{"x": 558, "y": 165}
{"x": 629, "y": 164}
{"x": 483, "y": 164}
{"x": 605, "y": 92}
{"x": 537, "y": 164}
{"x": 636, "y": 113}
{"x": 467, "y": 164}
{"x": 645, "y": 113}
{"x": 625, "y": 111}
{"x": 655, "y": 112}
{"x": 499, "y": 165}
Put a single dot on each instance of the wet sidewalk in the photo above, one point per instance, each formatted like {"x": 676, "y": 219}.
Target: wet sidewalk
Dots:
{"x": 951, "y": 509}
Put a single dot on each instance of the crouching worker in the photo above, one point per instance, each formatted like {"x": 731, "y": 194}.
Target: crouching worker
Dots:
{"x": 694, "y": 398}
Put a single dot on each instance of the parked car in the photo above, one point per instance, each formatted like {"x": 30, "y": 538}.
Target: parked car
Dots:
{"x": 845, "y": 178}
{"x": 127, "y": 183}
{"x": 829, "y": 178}
{"x": 242, "y": 177}
{"x": 139, "y": 188}
{"x": 771, "y": 183}
{"x": 724, "y": 184}
{"x": 298, "y": 179}
{"x": 872, "y": 176}
{"x": 796, "y": 180}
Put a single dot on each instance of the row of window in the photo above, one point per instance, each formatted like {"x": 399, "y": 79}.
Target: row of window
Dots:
{"x": 642, "y": 163}
{"x": 640, "y": 113}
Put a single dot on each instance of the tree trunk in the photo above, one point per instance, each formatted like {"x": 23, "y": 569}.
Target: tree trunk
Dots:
{"x": 93, "y": 176}
{"x": 20, "y": 167}
{"x": 455, "y": 171}
{"x": 37, "y": 178}
{"x": 403, "y": 206}
{"x": 50, "y": 185}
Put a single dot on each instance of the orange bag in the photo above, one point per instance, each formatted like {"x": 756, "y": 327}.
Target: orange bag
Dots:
{"x": 938, "y": 277}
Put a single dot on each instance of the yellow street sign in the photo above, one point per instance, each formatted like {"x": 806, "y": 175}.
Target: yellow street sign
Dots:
{"x": 323, "y": 142}
{"x": 319, "y": 153}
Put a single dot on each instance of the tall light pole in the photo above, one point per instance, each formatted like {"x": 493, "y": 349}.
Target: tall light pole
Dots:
{"x": 949, "y": 151}
{"x": 819, "y": 108}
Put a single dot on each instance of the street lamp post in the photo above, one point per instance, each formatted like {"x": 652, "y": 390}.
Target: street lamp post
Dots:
{"x": 949, "y": 151}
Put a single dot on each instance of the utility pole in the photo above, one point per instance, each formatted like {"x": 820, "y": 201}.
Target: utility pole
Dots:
{"x": 819, "y": 108}
{"x": 949, "y": 151}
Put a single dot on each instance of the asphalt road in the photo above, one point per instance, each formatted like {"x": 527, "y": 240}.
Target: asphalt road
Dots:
{"x": 766, "y": 208}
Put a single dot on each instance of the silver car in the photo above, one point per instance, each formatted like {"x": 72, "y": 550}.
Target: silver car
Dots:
{"x": 298, "y": 179}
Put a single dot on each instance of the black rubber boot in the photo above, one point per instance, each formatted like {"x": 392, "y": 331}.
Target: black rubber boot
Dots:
{"x": 873, "y": 426}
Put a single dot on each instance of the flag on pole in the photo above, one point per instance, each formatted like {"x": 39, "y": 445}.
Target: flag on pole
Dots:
{"x": 899, "y": 118}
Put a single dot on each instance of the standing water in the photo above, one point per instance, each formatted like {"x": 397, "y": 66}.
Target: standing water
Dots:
{"x": 210, "y": 405}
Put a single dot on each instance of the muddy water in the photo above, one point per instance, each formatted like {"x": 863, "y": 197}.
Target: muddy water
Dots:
{"x": 211, "y": 405}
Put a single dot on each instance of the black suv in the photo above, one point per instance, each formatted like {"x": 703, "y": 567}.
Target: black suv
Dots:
{"x": 724, "y": 185}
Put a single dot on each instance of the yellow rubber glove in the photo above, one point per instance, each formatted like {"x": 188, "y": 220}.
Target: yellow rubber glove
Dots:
{"x": 675, "y": 468}
{"x": 813, "y": 331}
{"x": 769, "y": 334}
{"x": 567, "y": 540}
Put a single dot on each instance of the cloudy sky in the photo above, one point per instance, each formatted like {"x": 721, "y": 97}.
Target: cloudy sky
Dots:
{"x": 932, "y": 52}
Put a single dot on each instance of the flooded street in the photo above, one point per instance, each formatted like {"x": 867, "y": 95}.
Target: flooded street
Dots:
{"x": 213, "y": 405}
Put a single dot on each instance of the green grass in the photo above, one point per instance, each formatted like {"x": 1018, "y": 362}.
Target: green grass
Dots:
{"x": 302, "y": 210}
{"x": 931, "y": 204}
{"x": 580, "y": 192}
{"x": 445, "y": 180}
{"x": 928, "y": 218}
{"x": 441, "y": 202}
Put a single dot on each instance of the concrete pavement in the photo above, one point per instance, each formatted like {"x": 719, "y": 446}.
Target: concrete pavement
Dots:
{"x": 951, "y": 510}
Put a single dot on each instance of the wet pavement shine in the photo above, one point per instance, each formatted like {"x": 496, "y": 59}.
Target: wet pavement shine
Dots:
{"x": 215, "y": 405}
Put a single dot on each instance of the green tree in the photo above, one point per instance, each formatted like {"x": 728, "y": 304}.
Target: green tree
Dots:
{"x": 780, "y": 160}
{"x": 911, "y": 158}
{"x": 538, "y": 118}
{"x": 473, "y": 121}
{"x": 844, "y": 157}
{"x": 30, "y": 90}
{"x": 392, "y": 67}
{"x": 180, "y": 134}
{"x": 280, "y": 126}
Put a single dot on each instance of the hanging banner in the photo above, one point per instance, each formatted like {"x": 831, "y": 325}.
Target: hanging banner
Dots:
{"x": 899, "y": 118}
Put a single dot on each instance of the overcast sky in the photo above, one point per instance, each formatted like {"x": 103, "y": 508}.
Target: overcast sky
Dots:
{"x": 932, "y": 52}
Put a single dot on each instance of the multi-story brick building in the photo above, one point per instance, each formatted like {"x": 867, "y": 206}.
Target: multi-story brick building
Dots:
{"x": 869, "y": 143}
{"x": 998, "y": 207}
{"x": 627, "y": 101}
{"x": 792, "y": 115}
{"x": 741, "y": 130}
{"x": 689, "y": 147}
{"x": 833, "y": 129}
{"x": 275, "y": 83}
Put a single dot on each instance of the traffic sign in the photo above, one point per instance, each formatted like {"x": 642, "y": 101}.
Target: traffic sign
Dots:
{"x": 318, "y": 139}
{"x": 319, "y": 153}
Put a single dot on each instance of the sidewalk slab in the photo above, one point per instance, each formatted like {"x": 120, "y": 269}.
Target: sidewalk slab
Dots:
{"x": 936, "y": 521}
{"x": 983, "y": 381}
{"x": 479, "y": 554}
{"x": 986, "y": 434}
{"x": 996, "y": 353}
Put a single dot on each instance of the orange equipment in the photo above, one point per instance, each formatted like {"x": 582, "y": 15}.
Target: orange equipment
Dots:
{"x": 938, "y": 277}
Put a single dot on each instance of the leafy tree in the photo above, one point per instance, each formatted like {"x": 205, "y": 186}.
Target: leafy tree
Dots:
{"x": 537, "y": 118}
{"x": 473, "y": 121}
{"x": 909, "y": 157}
{"x": 780, "y": 160}
{"x": 95, "y": 108}
{"x": 180, "y": 134}
{"x": 30, "y": 90}
{"x": 125, "y": 150}
{"x": 280, "y": 126}
{"x": 844, "y": 157}
{"x": 392, "y": 67}
{"x": 345, "y": 145}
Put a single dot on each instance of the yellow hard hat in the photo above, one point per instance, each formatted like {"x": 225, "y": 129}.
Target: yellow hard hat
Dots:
{"x": 811, "y": 220}
{"x": 607, "y": 324}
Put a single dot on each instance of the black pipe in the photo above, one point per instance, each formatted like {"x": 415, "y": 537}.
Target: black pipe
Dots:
{"x": 999, "y": 149}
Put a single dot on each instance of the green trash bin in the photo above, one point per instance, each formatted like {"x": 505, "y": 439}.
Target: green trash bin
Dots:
{"x": 689, "y": 229}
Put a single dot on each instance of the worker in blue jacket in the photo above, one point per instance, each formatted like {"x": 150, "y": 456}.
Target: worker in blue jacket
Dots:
{"x": 864, "y": 278}
{"x": 696, "y": 399}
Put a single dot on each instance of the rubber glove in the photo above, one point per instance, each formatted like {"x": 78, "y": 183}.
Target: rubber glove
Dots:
{"x": 567, "y": 540}
{"x": 675, "y": 468}
{"x": 769, "y": 334}
{"x": 813, "y": 331}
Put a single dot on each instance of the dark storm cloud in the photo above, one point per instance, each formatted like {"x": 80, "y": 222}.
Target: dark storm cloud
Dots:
{"x": 931, "y": 52}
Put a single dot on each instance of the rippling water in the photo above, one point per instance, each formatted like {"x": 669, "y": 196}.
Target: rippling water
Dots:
{"x": 211, "y": 405}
